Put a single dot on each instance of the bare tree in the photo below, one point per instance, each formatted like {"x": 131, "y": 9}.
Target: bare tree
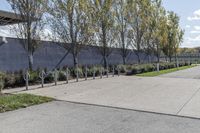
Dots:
{"x": 70, "y": 24}
{"x": 30, "y": 31}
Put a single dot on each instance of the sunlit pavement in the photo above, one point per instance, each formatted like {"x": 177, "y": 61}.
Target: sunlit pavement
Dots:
{"x": 116, "y": 104}
{"x": 176, "y": 96}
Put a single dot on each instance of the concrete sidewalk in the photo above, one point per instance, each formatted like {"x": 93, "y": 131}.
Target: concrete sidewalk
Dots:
{"x": 176, "y": 96}
{"x": 192, "y": 73}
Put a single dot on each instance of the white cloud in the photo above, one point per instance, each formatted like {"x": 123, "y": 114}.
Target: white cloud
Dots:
{"x": 187, "y": 26}
{"x": 193, "y": 39}
{"x": 196, "y": 16}
{"x": 197, "y": 27}
{"x": 195, "y": 32}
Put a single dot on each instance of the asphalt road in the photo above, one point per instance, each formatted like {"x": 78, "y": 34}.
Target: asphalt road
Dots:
{"x": 64, "y": 117}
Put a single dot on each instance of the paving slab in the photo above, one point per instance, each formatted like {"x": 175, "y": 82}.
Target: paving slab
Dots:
{"x": 64, "y": 117}
{"x": 153, "y": 94}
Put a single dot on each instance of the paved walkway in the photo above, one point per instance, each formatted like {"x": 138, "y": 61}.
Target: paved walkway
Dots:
{"x": 63, "y": 117}
{"x": 114, "y": 105}
{"x": 193, "y": 73}
{"x": 176, "y": 96}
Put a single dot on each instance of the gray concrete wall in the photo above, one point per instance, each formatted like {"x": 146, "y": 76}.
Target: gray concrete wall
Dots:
{"x": 13, "y": 57}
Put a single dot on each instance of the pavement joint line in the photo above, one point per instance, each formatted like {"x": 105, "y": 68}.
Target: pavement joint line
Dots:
{"x": 128, "y": 109}
{"x": 188, "y": 101}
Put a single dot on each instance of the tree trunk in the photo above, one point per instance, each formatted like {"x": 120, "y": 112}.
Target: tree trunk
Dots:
{"x": 105, "y": 62}
{"x": 149, "y": 58}
{"x": 158, "y": 56}
{"x": 170, "y": 59}
{"x": 30, "y": 61}
{"x": 138, "y": 57}
{"x": 104, "y": 45}
{"x": 139, "y": 61}
{"x": 75, "y": 60}
{"x": 123, "y": 47}
{"x": 124, "y": 60}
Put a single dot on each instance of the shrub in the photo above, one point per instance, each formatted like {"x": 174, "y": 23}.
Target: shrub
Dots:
{"x": 122, "y": 68}
{"x": 149, "y": 67}
{"x": 10, "y": 80}
{"x": 96, "y": 69}
{"x": 34, "y": 77}
{"x": 2, "y": 78}
{"x": 19, "y": 80}
{"x": 134, "y": 69}
{"x": 62, "y": 76}
{"x": 75, "y": 70}
{"x": 49, "y": 77}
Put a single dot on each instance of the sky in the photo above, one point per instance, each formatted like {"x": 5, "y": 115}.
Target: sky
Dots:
{"x": 187, "y": 10}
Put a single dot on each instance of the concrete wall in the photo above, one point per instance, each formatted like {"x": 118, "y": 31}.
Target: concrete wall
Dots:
{"x": 13, "y": 57}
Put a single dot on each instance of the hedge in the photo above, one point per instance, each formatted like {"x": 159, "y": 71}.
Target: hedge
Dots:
{"x": 142, "y": 68}
{"x": 11, "y": 80}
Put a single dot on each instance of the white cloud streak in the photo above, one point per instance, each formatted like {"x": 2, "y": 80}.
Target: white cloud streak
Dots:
{"x": 196, "y": 16}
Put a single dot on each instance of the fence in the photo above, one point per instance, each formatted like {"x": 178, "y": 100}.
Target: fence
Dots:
{"x": 14, "y": 58}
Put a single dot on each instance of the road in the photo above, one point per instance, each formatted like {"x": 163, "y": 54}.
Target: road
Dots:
{"x": 64, "y": 117}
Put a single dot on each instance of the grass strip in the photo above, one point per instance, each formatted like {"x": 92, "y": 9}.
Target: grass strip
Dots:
{"x": 155, "y": 73}
{"x": 13, "y": 102}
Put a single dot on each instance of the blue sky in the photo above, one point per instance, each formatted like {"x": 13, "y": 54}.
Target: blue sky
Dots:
{"x": 188, "y": 10}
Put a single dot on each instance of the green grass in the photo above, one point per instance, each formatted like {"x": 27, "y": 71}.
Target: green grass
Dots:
{"x": 155, "y": 73}
{"x": 13, "y": 102}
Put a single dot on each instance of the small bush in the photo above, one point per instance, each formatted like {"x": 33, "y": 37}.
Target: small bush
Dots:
{"x": 75, "y": 70}
{"x": 95, "y": 69}
{"x": 10, "y": 80}
{"x": 34, "y": 77}
{"x": 2, "y": 81}
{"x": 49, "y": 77}
{"x": 149, "y": 67}
{"x": 122, "y": 68}
{"x": 62, "y": 76}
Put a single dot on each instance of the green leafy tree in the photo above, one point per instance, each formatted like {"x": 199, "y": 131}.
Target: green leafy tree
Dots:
{"x": 138, "y": 22}
{"x": 105, "y": 26}
{"x": 174, "y": 36}
{"x": 159, "y": 34}
{"x": 121, "y": 14}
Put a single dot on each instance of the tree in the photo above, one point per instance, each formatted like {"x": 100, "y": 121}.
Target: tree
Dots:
{"x": 105, "y": 36}
{"x": 174, "y": 36}
{"x": 159, "y": 34}
{"x": 121, "y": 11}
{"x": 29, "y": 32}
{"x": 70, "y": 22}
{"x": 137, "y": 20}
{"x": 148, "y": 36}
